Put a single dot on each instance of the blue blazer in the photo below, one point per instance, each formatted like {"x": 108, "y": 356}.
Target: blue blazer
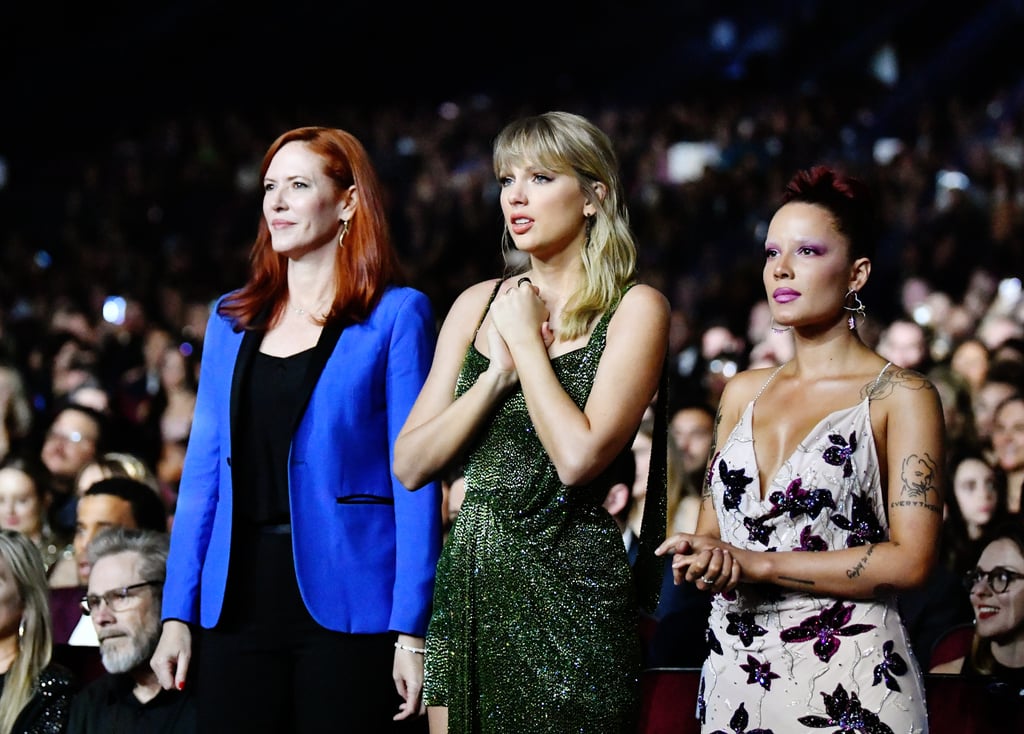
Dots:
{"x": 365, "y": 547}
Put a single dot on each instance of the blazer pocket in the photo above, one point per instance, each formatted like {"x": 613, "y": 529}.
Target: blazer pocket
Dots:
{"x": 364, "y": 499}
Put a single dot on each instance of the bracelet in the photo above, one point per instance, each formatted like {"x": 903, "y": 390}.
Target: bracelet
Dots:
{"x": 417, "y": 650}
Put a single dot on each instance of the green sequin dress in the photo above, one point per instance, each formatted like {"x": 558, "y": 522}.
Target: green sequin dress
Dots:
{"x": 535, "y": 621}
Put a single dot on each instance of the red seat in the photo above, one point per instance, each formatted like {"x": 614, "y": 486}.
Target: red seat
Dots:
{"x": 954, "y": 643}
{"x": 669, "y": 701}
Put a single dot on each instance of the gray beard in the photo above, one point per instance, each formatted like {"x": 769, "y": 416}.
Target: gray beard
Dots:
{"x": 126, "y": 658}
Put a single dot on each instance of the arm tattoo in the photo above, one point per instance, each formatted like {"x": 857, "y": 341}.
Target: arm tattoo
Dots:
{"x": 861, "y": 564}
{"x": 805, "y": 582}
{"x": 893, "y": 378}
{"x": 917, "y": 479}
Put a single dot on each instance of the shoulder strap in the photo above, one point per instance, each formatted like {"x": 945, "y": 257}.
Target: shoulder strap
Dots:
{"x": 490, "y": 300}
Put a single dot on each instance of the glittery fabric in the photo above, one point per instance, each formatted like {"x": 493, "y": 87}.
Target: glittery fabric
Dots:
{"x": 784, "y": 661}
{"x": 47, "y": 710}
{"x": 535, "y": 613}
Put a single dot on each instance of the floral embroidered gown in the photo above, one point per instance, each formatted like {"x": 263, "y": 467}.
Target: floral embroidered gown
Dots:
{"x": 786, "y": 661}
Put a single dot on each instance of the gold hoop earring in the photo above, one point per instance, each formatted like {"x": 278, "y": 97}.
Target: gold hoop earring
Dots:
{"x": 344, "y": 231}
{"x": 856, "y": 309}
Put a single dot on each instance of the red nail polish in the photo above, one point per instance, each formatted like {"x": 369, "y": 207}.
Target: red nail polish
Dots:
{"x": 181, "y": 686}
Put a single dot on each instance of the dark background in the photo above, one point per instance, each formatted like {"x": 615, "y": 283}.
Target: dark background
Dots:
{"x": 90, "y": 70}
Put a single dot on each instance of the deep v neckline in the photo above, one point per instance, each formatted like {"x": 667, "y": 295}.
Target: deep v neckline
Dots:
{"x": 763, "y": 489}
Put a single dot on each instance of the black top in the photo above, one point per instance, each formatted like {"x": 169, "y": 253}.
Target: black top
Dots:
{"x": 108, "y": 706}
{"x": 47, "y": 711}
{"x": 265, "y": 427}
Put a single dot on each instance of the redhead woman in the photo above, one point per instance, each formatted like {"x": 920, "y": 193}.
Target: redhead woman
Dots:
{"x": 298, "y": 562}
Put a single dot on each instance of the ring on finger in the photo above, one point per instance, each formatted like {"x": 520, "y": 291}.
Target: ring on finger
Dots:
{"x": 706, "y": 580}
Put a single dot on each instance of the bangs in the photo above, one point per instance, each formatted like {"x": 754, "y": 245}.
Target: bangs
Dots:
{"x": 533, "y": 142}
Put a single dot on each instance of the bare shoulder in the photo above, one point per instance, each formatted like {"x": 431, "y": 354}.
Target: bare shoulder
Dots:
{"x": 740, "y": 390}
{"x": 472, "y": 302}
{"x": 901, "y": 387}
{"x": 644, "y": 300}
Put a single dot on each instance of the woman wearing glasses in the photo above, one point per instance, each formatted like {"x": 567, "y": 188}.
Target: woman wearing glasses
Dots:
{"x": 996, "y": 586}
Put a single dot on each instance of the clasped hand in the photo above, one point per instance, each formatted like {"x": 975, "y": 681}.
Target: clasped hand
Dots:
{"x": 702, "y": 560}
{"x": 517, "y": 315}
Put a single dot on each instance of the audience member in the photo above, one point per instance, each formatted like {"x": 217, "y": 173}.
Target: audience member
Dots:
{"x": 692, "y": 430}
{"x": 113, "y": 502}
{"x": 970, "y": 359}
{"x": 73, "y": 439}
{"x": 977, "y": 503}
{"x": 1008, "y": 446}
{"x": 957, "y": 408}
{"x": 37, "y": 692}
{"x": 905, "y": 342}
{"x": 1003, "y": 380}
{"x": 16, "y": 414}
{"x": 996, "y": 587}
{"x": 23, "y": 500}
{"x": 123, "y": 603}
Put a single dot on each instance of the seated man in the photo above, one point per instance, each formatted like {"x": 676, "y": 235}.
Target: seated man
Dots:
{"x": 123, "y": 603}
{"x": 111, "y": 502}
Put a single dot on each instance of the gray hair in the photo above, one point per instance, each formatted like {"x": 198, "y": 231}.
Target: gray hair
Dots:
{"x": 150, "y": 545}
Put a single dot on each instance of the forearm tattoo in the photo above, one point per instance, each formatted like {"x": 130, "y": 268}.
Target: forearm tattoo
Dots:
{"x": 803, "y": 582}
{"x": 861, "y": 564}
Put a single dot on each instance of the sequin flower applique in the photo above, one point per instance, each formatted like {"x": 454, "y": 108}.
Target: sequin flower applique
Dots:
{"x": 863, "y": 523}
{"x": 892, "y": 665}
{"x": 758, "y": 672}
{"x": 738, "y": 724}
{"x": 825, "y": 629}
{"x": 846, "y": 713}
{"x": 742, "y": 625}
{"x": 735, "y": 481}
{"x": 839, "y": 453}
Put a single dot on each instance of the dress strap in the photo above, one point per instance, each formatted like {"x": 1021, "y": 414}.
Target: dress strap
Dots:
{"x": 768, "y": 381}
{"x": 490, "y": 300}
{"x": 874, "y": 385}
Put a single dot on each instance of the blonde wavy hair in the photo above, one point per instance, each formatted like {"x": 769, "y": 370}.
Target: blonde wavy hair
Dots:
{"x": 35, "y": 637}
{"x": 564, "y": 142}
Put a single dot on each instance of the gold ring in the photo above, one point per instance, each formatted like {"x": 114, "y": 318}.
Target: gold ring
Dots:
{"x": 522, "y": 280}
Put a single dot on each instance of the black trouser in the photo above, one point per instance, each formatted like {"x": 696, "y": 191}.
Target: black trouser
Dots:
{"x": 269, "y": 667}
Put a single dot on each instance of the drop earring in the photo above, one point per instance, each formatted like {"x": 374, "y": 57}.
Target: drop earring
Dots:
{"x": 344, "y": 231}
{"x": 856, "y": 309}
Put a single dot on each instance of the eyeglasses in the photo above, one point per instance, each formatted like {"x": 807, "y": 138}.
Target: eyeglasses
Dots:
{"x": 118, "y": 600}
{"x": 998, "y": 578}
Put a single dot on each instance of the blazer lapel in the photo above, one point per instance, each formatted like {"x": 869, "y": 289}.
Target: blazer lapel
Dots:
{"x": 251, "y": 340}
{"x": 321, "y": 353}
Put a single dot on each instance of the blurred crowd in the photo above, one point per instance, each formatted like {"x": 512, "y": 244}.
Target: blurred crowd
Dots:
{"x": 109, "y": 267}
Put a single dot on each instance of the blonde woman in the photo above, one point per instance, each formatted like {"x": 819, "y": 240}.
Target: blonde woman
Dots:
{"x": 540, "y": 380}
{"x": 36, "y": 692}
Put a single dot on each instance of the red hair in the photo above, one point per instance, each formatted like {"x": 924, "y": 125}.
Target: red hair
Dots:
{"x": 363, "y": 268}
